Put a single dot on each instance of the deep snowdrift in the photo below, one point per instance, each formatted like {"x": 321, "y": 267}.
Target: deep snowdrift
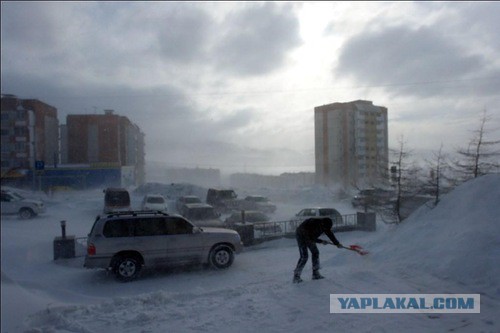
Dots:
{"x": 458, "y": 239}
{"x": 451, "y": 248}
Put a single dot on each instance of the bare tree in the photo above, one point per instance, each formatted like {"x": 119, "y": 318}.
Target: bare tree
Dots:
{"x": 405, "y": 176}
{"x": 481, "y": 155}
{"x": 437, "y": 166}
{"x": 370, "y": 191}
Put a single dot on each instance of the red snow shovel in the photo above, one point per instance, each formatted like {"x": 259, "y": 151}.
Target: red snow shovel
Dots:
{"x": 355, "y": 248}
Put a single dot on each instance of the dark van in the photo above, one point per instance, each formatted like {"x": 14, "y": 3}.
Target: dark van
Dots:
{"x": 116, "y": 200}
{"x": 222, "y": 200}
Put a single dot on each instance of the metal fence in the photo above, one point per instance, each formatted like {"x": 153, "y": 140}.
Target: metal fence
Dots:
{"x": 276, "y": 229}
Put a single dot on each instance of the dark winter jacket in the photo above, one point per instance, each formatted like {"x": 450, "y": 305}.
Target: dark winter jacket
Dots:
{"x": 312, "y": 228}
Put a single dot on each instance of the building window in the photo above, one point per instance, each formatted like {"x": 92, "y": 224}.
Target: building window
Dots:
{"x": 20, "y": 147}
{"x": 6, "y": 148}
{"x": 20, "y": 131}
{"x": 21, "y": 114}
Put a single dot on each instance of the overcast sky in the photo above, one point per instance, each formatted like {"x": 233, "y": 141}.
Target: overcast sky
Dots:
{"x": 233, "y": 85}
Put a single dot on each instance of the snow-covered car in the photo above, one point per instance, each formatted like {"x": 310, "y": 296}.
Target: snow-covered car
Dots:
{"x": 126, "y": 242}
{"x": 318, "y": 212}
{"x": 373, "y": 197}
{"x": 186, "y": 199}
{"x": 13, "y": 203}
{"x": 223, "y": 200}
{"x": 154, "y": 202}
{"x": 116, "y": 200}
{"x": 259, "y": 202}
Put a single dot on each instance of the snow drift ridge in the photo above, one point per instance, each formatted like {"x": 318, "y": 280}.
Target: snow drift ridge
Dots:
{"x": 458, "y": 239}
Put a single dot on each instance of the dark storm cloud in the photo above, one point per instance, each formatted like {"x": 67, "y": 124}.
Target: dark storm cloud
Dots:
{"x": 401, "y": 57}
{"x": 144, "y": 106}
{"x": 31, "y": 25}
{"x": 96, "y": 41}
{"x": 257, "y": 39}
{"x": 183, "y": 35}
{"x": 470, "y": 21}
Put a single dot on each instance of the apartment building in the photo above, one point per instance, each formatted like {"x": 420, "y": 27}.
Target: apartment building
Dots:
{"x": 29, "y": 133}
{"x": 351, "y": 144}
{"x": 104, "y": 140}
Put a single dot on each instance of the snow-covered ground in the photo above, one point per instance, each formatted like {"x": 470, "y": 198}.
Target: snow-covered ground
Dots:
{"x": 453, "y": 248}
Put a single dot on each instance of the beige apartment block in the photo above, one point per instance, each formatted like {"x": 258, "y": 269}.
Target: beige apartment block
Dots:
{"x": 29, "y": 133}
{"x": 351, "y": 144}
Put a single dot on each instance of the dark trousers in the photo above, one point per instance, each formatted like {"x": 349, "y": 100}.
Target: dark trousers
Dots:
{"x": 305, "y": 244}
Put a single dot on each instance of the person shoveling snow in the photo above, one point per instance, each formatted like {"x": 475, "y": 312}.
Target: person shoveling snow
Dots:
{"x": 307, "y": 234}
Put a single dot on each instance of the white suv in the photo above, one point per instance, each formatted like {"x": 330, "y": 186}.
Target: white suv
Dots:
{"x": 125, "y": 242}
{"x": 14, "y": 203}
{"x": 154, "y": 202}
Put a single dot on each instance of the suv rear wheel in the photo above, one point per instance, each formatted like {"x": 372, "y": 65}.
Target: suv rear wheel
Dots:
{"x": 127, "y": 268}
{"x": 221, "y": 256}
{"x": 26, "y": 213}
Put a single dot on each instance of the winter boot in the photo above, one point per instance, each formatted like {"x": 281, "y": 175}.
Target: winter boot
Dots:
{"x": 297, "y": 279}
{"x": 317, "y": 276}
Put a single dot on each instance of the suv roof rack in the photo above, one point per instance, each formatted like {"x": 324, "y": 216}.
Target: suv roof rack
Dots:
{"x": 137, "y": 212}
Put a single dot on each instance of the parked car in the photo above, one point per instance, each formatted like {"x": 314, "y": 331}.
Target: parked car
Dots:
{"x": 186, "y": 199}
{"x": 261, "y": 222}
{"x": 202, "y": 215}
{"x": 319, "y": 212}
{"x": 154, "y": 202}
{"x": 126, "y": 242}
{"x": 223, "y": 200}
{"x": 258, "y": 202}
{"x": 373, "y": 197}
{"x": 116, "y": 200}
{"x": 13, "y": 203}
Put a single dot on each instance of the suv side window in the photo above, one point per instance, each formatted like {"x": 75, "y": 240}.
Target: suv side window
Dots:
{"x": 176, "y": 225}
{"x": 308, "y": 212}
{"x": 150, "y": 227}
{"x": 117, "y": 228}
{"x": 326, "y": 212}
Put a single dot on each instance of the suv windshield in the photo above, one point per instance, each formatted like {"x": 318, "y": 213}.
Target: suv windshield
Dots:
{"x": 15, "y": 196}
{"x": 157, "y": 200}
{"x": 227, "y": 195}
{"x": 191, "y": 200}
{"x": 117, "y": 198}
{"x": 257, "y": 199}
{"x": 327, "y": 212}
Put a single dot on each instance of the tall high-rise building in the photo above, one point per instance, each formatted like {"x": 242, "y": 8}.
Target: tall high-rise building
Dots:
{"x": 351, "y": 144}
{"x": 30, "y": 132}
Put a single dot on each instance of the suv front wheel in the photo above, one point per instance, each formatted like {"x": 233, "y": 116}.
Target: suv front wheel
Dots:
{"x": 127, "y": 268}
{"x": 221, "y": 256}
